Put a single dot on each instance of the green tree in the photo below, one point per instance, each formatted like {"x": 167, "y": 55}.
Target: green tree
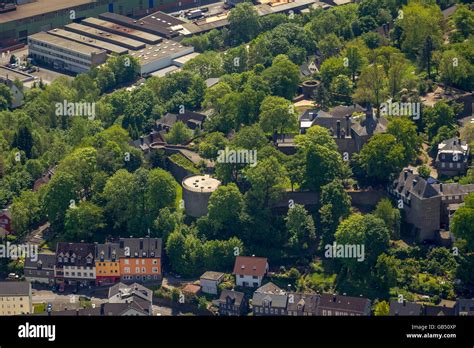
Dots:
{"x": 323, "y": 165}
{"x": 300, "y": 226}
{"x": 277, "y": 115}
{"x": 463, "y": 221}
{"x": 372, "y": 86}
{"x": 179, "y": 134}
{"x": 59, "y": 195}
{"x": 211, "y": 144}
{"x": 84, "y": 222}
{"x": 282, "y": 77}
{"x": 26, "y": 212}
{"x": 368, "y": 231}
{"x": 405, "y": 132}
{"x": 243, "y": 22}
{"x": 381, "y": 308}
{"x": 463, "y": 19}
{"x": 225, "y": 208}
{"x": 380, "y": 158}
{"x": 390, "y": 215}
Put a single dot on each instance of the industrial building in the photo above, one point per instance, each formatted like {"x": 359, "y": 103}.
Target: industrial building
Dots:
{"x": 110, "y": 48}
{"x": 79, "y": 46}
{"x": 197, "y": 190}
{"x": 64, "y": 54}
{"x": 32, "y": 16}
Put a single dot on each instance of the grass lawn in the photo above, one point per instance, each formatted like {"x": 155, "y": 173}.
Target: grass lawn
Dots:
{"x": 39, "y": 308}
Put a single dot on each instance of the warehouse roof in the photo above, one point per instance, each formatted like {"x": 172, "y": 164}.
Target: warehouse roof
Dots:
{"x": 64, "y": 43}
{"x": 110, "y": 48}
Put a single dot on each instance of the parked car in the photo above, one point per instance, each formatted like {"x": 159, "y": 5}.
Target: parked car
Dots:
{"x": 61, "y": 288}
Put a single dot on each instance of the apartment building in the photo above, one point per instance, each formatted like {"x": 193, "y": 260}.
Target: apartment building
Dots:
{"x": 75, "y": 263}
{"x": 63, "y": 54}
{"x": 140, "y": 259}
{"x": 15, "y": 298}
{"x": 107, "y": 264}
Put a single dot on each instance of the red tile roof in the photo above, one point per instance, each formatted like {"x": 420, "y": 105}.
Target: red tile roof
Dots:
{"x": 250, "y": 266}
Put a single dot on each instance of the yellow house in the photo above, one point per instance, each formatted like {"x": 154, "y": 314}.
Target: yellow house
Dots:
{"x": 15, "y": 298}
{"x": 107, "y": 263}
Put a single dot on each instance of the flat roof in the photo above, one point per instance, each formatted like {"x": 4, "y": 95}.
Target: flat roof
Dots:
{"x": 41, "y": 7}
{"x": 97, "y": 33}
{"x": 65, "y": 43}
{"x": 144, "y": 24}
{"x": 155, "y": 52}
{"x": 163, "y": 19}
{"x": 166, "y": 71}
{"x": 13, "y": 74}
{"x": 136, "y": 34}
{"x": 110, "y": 48}
{"x": 201, "y": 183}
{"x": 184, "y": 59}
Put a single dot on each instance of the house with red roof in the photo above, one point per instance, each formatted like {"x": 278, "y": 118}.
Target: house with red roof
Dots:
{"x": 250, "y": 270}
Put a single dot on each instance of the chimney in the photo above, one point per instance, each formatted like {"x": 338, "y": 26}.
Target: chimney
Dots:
{"x": 415, "y": 182}
{"x": 141, "y": 139}
{"x": 348, "y": 124}
{"x": 338, "y": 129}
{"x": 441, "y": 187}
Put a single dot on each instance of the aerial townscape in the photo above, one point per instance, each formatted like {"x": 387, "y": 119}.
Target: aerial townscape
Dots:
{"x": 236, "y": 158}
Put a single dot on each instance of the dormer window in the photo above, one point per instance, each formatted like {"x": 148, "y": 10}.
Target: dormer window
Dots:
{"x": 60, "y": 259}
{"x": 72, "y": 259}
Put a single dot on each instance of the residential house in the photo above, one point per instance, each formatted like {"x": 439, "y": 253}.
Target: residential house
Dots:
{"x": 350, "y": 126}
{"x": 302, "y": 304}
{"x": 438, "y": 311}
{"x": 269, "y": 300}
{"x": 427, "y": 204}
{"x": 107, "y": 263}
{"x": 105, "y": 309}
{"x": 133, "y": 293}
{"x": 210, "y": 281}
{"x": 232, "y": 303}
{"x": 41, "y": 270}
{"x": 15, "y": 298}
{"x": 453, "y": 157}
{"x": 405, "y": 308}
{"x": 75, "y": 263}
{"x": 250, "y": 270}
{"x": 45, "y": 178}
{"x": 140, "y": 259}
{"x": 6, "y": 221}
{"x": 191, "y": 119}
{"x": 18, "y": 97}
{"x": 190, "y": 291}
{"x": 464, "y": 307}
{"x": 341, "y": 305}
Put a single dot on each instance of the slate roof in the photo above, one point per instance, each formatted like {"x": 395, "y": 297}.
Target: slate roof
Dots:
{"x": 306, "y": 303}
{"x": 80, "y": 252}
{"x": 141, "y": 247}
{"x": 271, "y": 293}
{"x": 45, "y": 262}
{"x": 250, "y": 265}
{"x": 107, "y": 251}
{"x": 143, "y": 143}
{"x": 14, "y": 288}
{"x": 130, "y": 291}
{"x": 236, "y": 296}
{"x": 438, "y": 311}
{"x": 343, "y": 303}
{"x": 405, "y": 308}
{"x": 409, "y": 183}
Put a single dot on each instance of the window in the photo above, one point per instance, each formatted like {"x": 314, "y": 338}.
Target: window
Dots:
{"x": 155, "y": 262}
{"x": 137, "y": 269}
{"x": 127, "y": 261}
{"x": 241, "y": 276}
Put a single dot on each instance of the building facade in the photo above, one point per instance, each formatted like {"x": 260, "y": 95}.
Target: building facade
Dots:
{"x": 41, "y": 271}
{"x": 107, "y": 263}
{"x": 63, "y": 54}
{"x": 75, "y": 264}
{"x": 140, "y": 259}
{"x": 15, "y": 298}
{"x": 210, "y": 281}
{"x": 250, "y": 270}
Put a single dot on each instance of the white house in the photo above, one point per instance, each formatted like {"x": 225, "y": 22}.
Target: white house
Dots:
{"x": 210, "y": 281}
{"x": 250, "y": 270}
